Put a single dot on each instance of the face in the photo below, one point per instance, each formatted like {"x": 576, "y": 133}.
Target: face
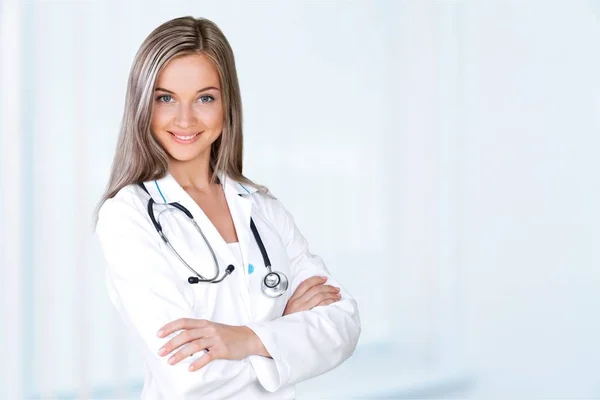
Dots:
{"x": 187, "y": 113}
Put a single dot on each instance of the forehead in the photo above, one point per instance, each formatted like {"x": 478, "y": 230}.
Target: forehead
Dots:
{"x": 190, "y": 72}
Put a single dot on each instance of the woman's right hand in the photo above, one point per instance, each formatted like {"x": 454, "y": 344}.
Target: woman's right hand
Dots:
{"x": 311, "y": 293}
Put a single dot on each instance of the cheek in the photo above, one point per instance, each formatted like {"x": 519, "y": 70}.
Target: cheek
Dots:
{"x": 213, "y": 117}
{"x": 210, "y": 117}
{"x": 158, "y": 128}
{"x": 159, "y": 120}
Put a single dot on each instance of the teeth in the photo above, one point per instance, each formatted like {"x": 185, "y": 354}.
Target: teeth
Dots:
{"x": 185, "y": 137}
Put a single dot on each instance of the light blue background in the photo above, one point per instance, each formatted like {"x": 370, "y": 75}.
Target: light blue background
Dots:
{"x": 452, "y": 145}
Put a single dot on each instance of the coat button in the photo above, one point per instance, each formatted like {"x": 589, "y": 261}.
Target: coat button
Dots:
{"x": 250, "y": 268}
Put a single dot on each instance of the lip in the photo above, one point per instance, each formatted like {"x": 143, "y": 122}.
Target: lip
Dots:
{"x": 184, "y": 141}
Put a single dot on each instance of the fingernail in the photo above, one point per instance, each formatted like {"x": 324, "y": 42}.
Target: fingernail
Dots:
{"x": 161, "y": 351}
{"x": 191, "y": 368}
{"x": 339, "y": 296}
{"x": 337, "y": 289}
{"x": 172, "y": 360}
{"x": 160, "y": 333}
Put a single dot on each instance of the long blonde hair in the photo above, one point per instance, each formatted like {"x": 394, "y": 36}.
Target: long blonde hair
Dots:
{"x": 139, "y": 157}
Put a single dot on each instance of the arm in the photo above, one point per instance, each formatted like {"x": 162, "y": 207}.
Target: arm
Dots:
{"x": 307, "y": 343}
{"x": 147, "y": 295}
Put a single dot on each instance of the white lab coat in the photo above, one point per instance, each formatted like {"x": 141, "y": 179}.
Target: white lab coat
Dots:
{"x": 148, "y": 285}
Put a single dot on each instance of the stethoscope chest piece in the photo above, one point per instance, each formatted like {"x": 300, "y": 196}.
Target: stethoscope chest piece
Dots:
{"x": 274, "y": 284}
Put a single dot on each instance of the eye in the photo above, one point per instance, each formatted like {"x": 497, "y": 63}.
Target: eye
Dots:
{"x": 165, "y": 98}
{"x": 206, "y": 99}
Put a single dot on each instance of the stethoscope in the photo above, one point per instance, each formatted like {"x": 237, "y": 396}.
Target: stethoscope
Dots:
{"x": 274, "y": 284}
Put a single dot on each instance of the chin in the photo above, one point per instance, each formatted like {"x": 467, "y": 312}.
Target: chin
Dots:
{"x": 184, "y": 156}
{"x": 185, "y": 153}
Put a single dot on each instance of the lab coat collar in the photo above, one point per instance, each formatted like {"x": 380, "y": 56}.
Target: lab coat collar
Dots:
{"x": 235, "y": 186}
{"x": 168, "y": 190}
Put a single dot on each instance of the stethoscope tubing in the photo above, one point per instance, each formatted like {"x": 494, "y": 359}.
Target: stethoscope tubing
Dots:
{"x": 201, "y": 278}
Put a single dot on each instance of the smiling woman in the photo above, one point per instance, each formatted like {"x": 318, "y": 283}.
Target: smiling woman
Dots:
{"x": 336, "y": 140}
{"x": 179, "y": 154}
{"x": 186, "y": 121}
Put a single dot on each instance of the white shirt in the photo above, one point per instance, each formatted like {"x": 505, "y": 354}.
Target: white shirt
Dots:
{"x": 148, "y": 285}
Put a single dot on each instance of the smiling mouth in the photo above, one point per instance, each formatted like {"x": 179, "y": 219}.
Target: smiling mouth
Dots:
{"x": 185, "y": 138}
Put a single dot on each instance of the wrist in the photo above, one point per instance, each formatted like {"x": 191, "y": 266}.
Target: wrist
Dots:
{"x": 254, "y": 345}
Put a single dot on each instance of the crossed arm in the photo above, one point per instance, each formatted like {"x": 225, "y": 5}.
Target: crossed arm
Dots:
{"x": 319, "y": 329}
{"x": 229, "y": 342}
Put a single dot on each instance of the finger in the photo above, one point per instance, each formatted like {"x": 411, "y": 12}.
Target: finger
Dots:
{"x": 307, "y": 284}
{"x": 317, "y": 290}
{"x": 179, "y": 324}
{"x": 326, "y": 302}
{"x": 202, "y": 361}
{"x": 194, "y": 347}
{"x": 318, "y": 298}
{"x": 182, "y": 338}
{"x": 303, "y": 303}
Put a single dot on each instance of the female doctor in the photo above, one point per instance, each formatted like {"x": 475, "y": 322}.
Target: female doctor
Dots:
{"x": 206, "y": 268}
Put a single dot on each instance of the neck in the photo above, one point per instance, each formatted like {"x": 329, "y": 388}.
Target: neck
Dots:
{"x": 193, "y": 174}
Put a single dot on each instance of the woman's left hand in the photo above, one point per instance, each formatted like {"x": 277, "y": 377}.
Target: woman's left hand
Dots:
{"x": 221, "y": 341}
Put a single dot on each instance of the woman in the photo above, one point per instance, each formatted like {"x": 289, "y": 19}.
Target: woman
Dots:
{"x": 197, "y": 295}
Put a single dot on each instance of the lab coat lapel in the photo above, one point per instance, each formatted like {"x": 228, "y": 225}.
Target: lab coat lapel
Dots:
{"x": 241, "y": 210}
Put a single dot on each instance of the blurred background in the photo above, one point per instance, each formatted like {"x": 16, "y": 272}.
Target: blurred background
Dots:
{"x": 454, "y": 147}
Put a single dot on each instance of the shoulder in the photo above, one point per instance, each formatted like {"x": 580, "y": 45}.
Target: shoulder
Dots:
{"x": 127, "y": 205}
{"x": 265, "y": 200}
{"x": 273, "y": 210}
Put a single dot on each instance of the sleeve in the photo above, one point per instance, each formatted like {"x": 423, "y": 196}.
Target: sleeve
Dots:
{"x": 147, "y": 295}
{"x": 308, "y": 343}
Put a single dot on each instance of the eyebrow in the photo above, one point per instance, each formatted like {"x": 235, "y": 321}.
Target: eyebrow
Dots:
{"x": 201, "y": 90}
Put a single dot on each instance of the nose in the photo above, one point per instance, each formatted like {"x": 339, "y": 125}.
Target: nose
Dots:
{"x": 185, "y": 117}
